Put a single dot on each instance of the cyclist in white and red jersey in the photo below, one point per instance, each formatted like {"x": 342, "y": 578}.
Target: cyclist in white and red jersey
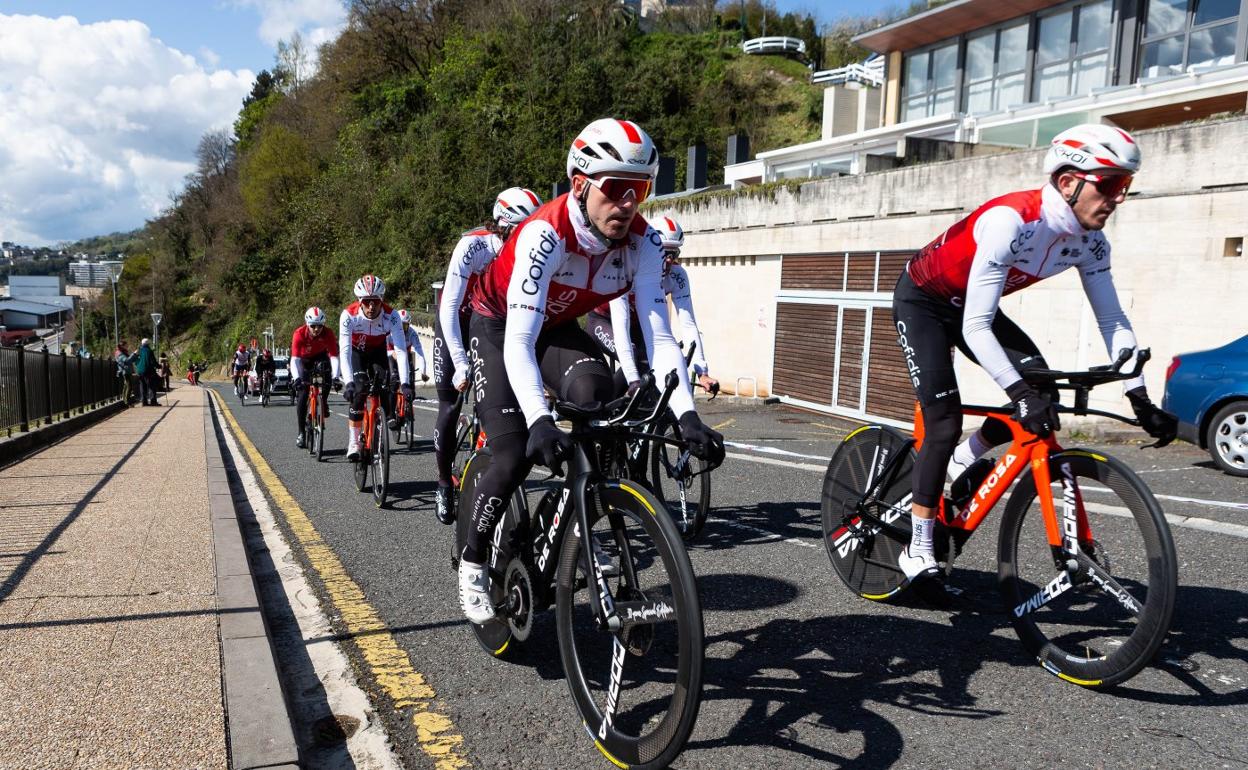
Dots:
{"x": 311, "y": 346}
{"x": 240, "y": 365}
{"x": 616, "y": 329}
{"x": 473, "y": 254}
{"x": 949, "y": 293}
{"x": 576, "y": 252}
{"x": 364, "y": 329}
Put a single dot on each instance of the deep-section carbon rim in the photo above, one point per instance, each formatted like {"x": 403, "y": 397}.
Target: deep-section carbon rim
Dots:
{"x": 647, "y": 675}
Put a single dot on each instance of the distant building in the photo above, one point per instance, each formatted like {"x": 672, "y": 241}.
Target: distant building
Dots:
{"x": 86, "y": 273}
{"x": 24, "y": 314}
{"x": 21, "y": 286}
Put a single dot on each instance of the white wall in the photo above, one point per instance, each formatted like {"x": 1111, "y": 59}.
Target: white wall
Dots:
{"x": 1180, "y": 293}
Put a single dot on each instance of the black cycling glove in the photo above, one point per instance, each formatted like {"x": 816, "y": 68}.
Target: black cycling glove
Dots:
{"x": 1035, "y": 413}
{"x": 548, "y": 445}
{"x": 348, "y": 392}
{"x": 705, "y": 442}
{"x": 1155, "y": 421}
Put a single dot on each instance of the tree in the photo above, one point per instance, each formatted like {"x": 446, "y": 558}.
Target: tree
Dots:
{"x": 292, "y": 63}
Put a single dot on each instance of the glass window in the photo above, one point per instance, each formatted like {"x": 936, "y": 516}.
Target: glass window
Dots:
{"x": 1214, "y": 10}
{"x": 1165, "y": 16}
{"x": 1054, "y": 41}
{"x": 930, "y": 78}
{"x": 1211, "y": 47}
{"x": 945, "y": 65}
{"x": 1161, "y": 58}
{"x": 1094, "y": 27}
{"x": 916, "y": 73}
{"x": 979, "y": 56}
{"x": 1010, "y": 91}
{"x": 1012, "y": 51}
{"x": 1052, "y": 81}
{"x": 1091, "y": 72}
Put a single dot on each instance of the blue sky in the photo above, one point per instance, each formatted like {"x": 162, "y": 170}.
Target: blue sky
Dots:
{"x": 111, "y": 97}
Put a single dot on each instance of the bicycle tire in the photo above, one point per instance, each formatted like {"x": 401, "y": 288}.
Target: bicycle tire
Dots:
{"x": 494, "y": 636}
{"x": 671, "y": 646}
{"x": 863, "y": 556}
{"x": 1137, "y": 550}
{"x": 687, "y": 495}
{"x": 380, "y": 460}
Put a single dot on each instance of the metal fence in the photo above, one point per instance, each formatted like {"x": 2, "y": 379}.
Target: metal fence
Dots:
{"x": 38, "y": 388}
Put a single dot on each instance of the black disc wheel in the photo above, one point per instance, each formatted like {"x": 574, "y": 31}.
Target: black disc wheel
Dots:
{"x": 873, "y": 463}
{"x": 1094, "y": 609}
{"x": 638, "y": 683}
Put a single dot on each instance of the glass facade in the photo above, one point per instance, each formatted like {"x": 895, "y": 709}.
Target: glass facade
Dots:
{"x": 996, "y": 64}
{"x": 1072, "y": 51}
{"x": 1187, "y": 36}
{"x": 930, "y": 78}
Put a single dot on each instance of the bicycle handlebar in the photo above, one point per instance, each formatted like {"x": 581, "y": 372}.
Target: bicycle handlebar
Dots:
{"x": 1094, "y": 375}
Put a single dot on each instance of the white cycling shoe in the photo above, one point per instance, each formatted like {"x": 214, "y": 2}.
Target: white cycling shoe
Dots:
{"x": 474, "y": 592}
{"x": 920, "y": 565}
{"x": 608, "y": 567}
{"x": 353, "y": 449}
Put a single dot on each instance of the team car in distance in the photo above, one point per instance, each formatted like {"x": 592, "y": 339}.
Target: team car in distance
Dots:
{"x": 1208, "y": 391}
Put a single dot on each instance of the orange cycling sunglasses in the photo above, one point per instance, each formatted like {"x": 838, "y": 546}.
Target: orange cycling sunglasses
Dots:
{"x": 618, "y": 188}
{"x": 1111, "y": 186}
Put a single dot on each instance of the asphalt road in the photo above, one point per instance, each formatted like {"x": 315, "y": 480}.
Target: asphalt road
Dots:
{"x": 799, "y": 672}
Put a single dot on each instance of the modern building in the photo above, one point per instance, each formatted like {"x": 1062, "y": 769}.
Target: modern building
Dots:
{"x": 23, "y": 286}
{"x": 25, "y": 314}
{"x": 981, "y": 75}
{"x": 87, "y": 273}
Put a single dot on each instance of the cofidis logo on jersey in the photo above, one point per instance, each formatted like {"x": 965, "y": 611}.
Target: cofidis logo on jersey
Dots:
{"x": 539, "y": 261}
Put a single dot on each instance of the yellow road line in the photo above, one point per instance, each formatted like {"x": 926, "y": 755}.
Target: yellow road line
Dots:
{"x": 388, "y": 664}
{"x": 724, "y": 424}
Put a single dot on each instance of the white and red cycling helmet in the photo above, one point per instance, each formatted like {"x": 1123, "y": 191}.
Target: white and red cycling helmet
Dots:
{"x": 609, "y": 145}
{"x": 1093, "y": 147}
{"x": 404, "y": 317}
{"x": 314, "y": 316}
{"x": 514, "y": 205}
{"x": 370, "y": 286}
{"x": 671, "y": 234}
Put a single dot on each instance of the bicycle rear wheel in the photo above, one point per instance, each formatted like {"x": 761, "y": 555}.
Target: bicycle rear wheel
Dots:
{"x": 637, "y": 689}
{"x": 863, "y": 553}
{"x": 1098, "y": 624}
{"x": 682, "y": 488}
{"x": 381, "y": 459}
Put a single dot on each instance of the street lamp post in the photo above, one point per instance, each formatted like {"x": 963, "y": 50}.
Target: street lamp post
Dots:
{"x": 156, "y": 330}
{"x": 114, "y": 272}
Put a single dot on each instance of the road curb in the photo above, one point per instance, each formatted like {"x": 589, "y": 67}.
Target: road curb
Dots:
{"x": 259, "y": 732}
{"x": 17, "y": 447}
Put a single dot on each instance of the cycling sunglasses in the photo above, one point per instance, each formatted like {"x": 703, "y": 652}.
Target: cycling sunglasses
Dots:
{"x": 1110, "y": 186}
{"x": 370, "y": 301}
{"x": 619, "y": 188}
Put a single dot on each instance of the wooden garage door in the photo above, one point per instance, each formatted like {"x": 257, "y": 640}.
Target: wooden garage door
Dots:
{"x": 805, "y": 351}
{"x": 889, "y": 393}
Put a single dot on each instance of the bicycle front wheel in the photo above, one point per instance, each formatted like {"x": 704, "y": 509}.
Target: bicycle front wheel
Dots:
{"x": 864, "y": 551}
{"x": 381, "y": 459}
{"x": 637, "y": 688}
{"x": 1094, "y": 610}
{"x": 682, "y": 488}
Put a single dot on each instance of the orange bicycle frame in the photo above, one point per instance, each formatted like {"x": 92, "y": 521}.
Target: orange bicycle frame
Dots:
{"x": 1026, "y": 449}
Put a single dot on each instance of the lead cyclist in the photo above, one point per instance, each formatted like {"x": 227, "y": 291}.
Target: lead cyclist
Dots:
{"x": 949, "y": 293}
{"x": 582, "y": 249}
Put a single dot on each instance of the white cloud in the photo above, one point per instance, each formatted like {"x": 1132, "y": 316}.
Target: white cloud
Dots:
{"x": 100, "y": 123}
{"x": 317, "y": 20}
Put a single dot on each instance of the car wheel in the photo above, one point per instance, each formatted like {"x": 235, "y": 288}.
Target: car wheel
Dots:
{"x": 1228, "y": 438}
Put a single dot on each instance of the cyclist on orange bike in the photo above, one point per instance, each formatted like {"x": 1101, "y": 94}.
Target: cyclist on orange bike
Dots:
{"x": 948, "y": 296}
{"x": 451, "y": 367}
{"x": 310, "y": 345}
{"x": 364, "y": 329}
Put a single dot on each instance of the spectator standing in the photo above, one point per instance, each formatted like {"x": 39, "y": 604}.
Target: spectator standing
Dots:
{"x": 146, "y": 367}
{"x": 125, "y": 370}
{"x": 165, "y": 371}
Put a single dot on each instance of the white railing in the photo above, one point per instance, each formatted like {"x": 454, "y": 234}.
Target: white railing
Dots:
{"x": 774, "y": 45}
{"x": 871, "y": 73}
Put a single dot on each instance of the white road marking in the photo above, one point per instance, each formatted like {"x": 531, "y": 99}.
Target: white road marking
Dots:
{"x": 766, "y": 533}
{"x": 771, "y": 450}
{"x": 370, "y": 745}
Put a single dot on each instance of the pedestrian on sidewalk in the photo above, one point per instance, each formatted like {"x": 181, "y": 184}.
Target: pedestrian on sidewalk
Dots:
{"x": 165, "y": 371}
{"x": 125, "y": 370}
{"x": 145, "y": 366}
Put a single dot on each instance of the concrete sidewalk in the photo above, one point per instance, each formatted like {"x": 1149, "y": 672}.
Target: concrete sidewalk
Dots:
{"x": 110, "y": 654}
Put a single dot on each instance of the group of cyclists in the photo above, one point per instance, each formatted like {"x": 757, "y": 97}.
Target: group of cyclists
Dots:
{"x": 508, "y": 325}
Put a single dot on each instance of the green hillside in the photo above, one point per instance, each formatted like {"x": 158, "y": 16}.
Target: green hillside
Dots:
{"x": 404, "y": 134}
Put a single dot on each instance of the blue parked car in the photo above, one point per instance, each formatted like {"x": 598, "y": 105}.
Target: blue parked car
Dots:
{"x": 1208, "y": 391}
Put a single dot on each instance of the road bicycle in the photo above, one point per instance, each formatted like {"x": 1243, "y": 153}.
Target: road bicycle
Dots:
{"x": 240, "y": 387}
{"x": 631, "y": 645}
{"x": 318, "y": 408}
{"x": 266, "y": 388}
{"x": 1092, "y": 607}
{"x": 374, "y": 460}
{"x": 405, "y": 423}
{"x": 675, "y": 476}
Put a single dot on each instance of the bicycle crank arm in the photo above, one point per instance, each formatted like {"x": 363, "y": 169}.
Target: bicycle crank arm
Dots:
{"x": 1106, "y": 583}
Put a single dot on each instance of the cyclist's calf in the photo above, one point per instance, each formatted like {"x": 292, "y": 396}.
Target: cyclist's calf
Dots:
{"x": 942, "y": 427}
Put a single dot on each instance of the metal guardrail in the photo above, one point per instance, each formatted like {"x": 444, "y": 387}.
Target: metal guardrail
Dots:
{"x": 42, "y": 387}
{"x": 870, "y": 73}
